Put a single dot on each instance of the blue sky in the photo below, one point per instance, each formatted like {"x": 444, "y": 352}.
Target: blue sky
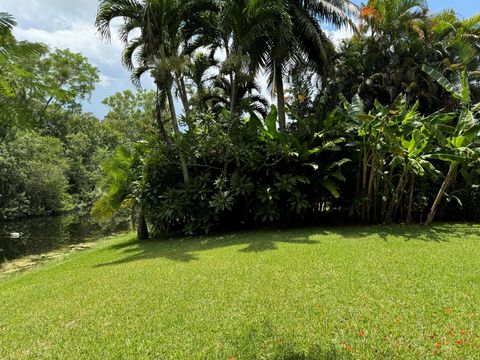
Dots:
{"x": 69, "y": 24}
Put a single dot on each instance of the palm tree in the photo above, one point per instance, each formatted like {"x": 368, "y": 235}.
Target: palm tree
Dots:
{"x": 297, "y": 33}
{"x": 390, "y": 19}
{"x": 198, "y": 68}
{"x": 241, "y": 29}
{"x": 156, "y": 49}
{"x": 122, "y": 185}
{"x": 249, "y": 98}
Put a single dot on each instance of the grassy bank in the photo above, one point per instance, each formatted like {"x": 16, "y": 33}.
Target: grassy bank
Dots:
{"x": 357, "y": 292}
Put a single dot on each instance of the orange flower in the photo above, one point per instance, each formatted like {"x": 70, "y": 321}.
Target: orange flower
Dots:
{"x": 366, "y": 11}
{"x": 348, "y": 348}
{"x": 462, "y": 332}
{"x": 459, "y": 342}
{"x": 361, "y": 333}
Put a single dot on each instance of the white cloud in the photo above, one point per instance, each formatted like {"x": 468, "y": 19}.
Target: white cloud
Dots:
{"x": 337, "y": 36}
{"x": 48, "y": 14}
{"x": 107, "y": 81}
{"x": 80, "y": 37}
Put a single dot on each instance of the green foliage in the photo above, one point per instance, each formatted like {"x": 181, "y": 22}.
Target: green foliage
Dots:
{"x": 34, "y": 178}
{"x": 49, "y": 150}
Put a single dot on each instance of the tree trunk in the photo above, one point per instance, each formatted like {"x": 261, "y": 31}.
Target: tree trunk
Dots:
{"x": 142, "y": 228}
{"x": 183, "y": 94}
{"x": 364, "y": 184}
{"x": 452, "y": 173}
{"x": 395, "y": 199}
{"x": 160, "y": 124}
{"x": 176, "y": 130}
{"x": 373, "y": 171}
{"x": 173, "y": 112}
{"x": 233, "y": 95}
{"x": 409, "y": 219}
{"x": 234, "y": 79}
{"x": 282, "y": 124}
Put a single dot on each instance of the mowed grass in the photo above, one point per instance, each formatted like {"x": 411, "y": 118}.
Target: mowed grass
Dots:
{"x": 319, "y": 293}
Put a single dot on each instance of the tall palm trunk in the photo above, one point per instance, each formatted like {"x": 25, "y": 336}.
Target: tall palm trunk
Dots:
{"x": 282, "y": 124}
{"x": 234, "y": 79}
{"x": 183, "y": 93}
{"x": 142, "y": 228}
{"x": 158, "y": 118}
{"x": 176, "y": 130}
{"x": 234, "y": 94}
{"x": 449, "y": 179}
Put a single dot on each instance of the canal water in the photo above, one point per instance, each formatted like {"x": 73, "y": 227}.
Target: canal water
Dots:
{"x": 40, "y": 235}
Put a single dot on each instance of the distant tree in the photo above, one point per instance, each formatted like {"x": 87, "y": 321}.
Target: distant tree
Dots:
{"x": 131, "y": 115}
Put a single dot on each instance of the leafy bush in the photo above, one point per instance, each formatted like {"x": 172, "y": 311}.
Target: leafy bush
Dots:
{"x": 34, "y": 167}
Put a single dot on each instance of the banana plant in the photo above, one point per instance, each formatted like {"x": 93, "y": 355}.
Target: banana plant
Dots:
{"x": 393, "y": 142}
{"x": 461, "y": 146}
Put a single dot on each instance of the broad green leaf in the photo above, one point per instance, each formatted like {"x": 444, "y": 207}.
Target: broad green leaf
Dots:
{"x": 338, "y": 176}
{"x": 465, "y": 121}
{"x": 339, "y": 163}
{"x": 331, "y": 187}
{"x": 313, "y": 165}
{"x": 417, "y": 167}
{"x": 447, "y": 157}
{"x": 439, "y": 78}
{"x": 458, "y": 141}
{"x": 357, "y": 105}
{"x": 476, "y": 108}
{"x": 457, "y": 89}
{"x": 465, "y": 87}
{"x": 271, "y": 122}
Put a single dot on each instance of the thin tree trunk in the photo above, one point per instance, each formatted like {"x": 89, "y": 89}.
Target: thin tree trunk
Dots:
{"x": 173, "y": 112}
{"x": 233, "y": 95}
{"x": 386, "y": 191}
{"x": 160, "y": 124}
{"x": 409, "y": 218}
{"x": 395, "y": 200}
{"x": 282, "y": 124}
{"x": 232, "y": 79}
{"x": 183, "y": 93}
{"x": 364, "y": 184}
{"x": 142, "y": 228}
{"x": 234, "y": 83}
{"x": 372, "y": 174}
{"x": 452, "y": 173}
{"x": 176, "y": 129}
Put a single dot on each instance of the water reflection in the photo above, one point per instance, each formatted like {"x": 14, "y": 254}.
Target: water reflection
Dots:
{"x": 45, "y": 234}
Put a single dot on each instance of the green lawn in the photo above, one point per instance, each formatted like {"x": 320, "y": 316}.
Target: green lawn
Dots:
{"x": 319, "y": 293}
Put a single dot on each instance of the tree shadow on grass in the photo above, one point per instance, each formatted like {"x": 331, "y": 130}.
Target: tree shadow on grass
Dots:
{"x": 187, "y": 249}
{"x": 438, "y": 233}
